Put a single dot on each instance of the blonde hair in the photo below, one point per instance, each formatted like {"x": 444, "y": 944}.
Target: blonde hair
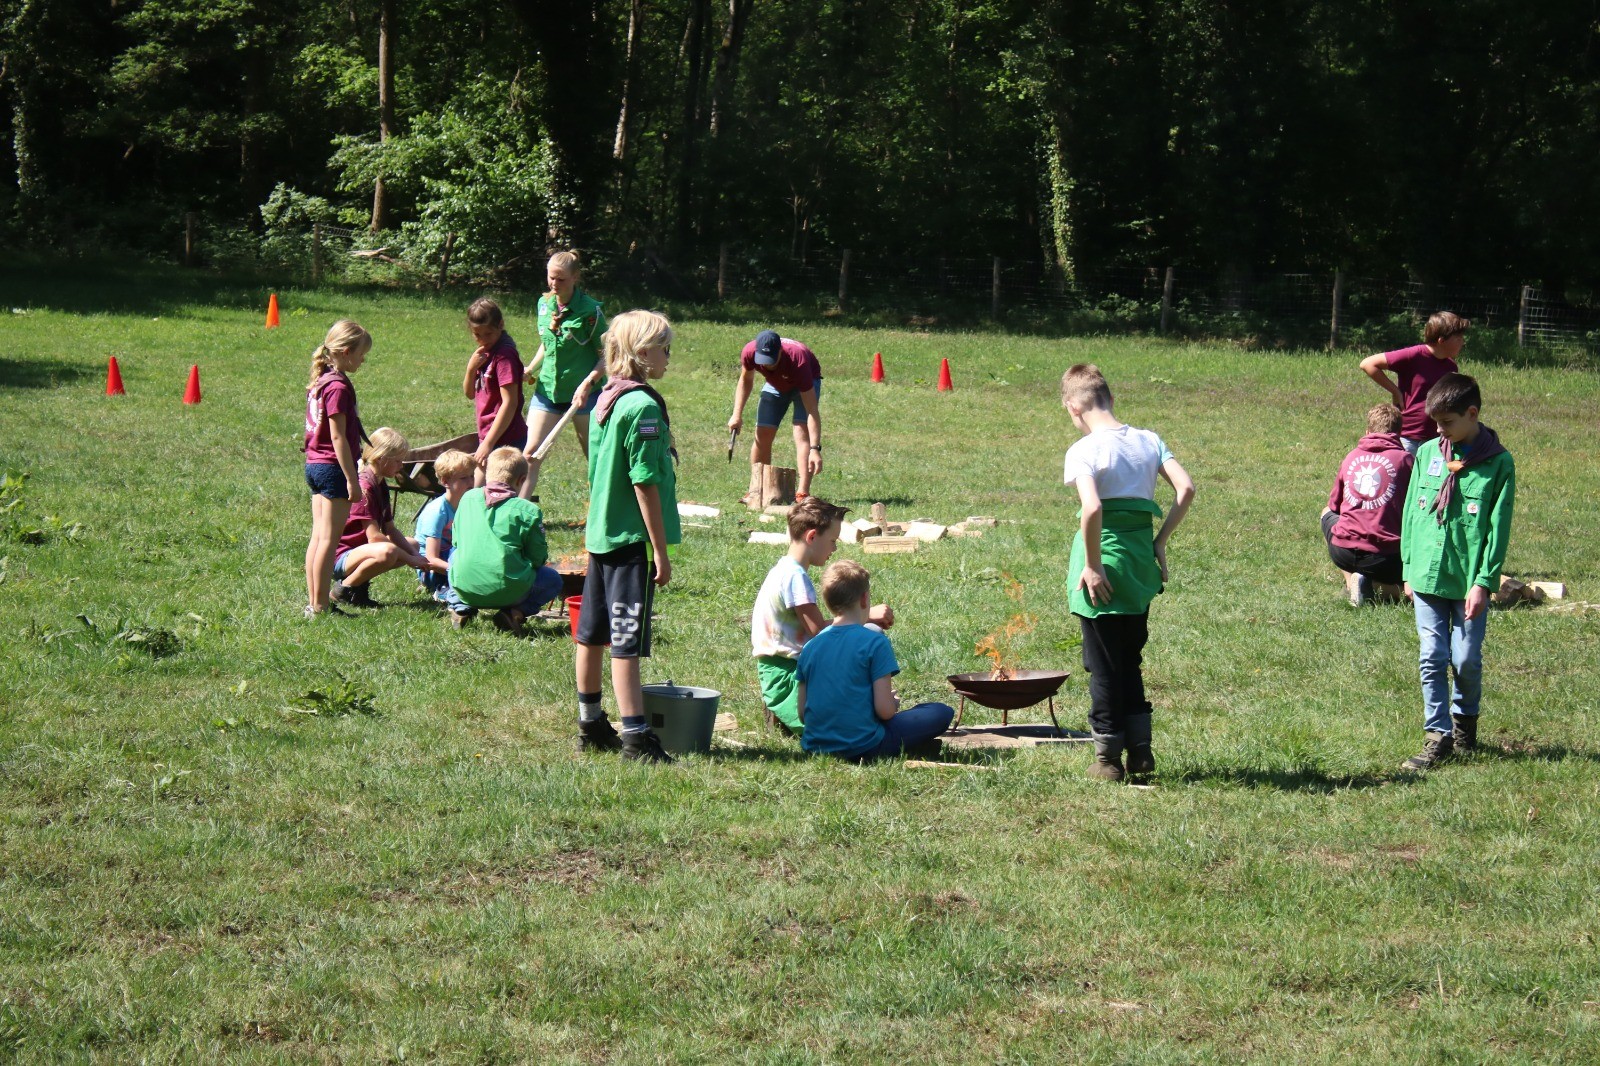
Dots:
{"x": 567, "y": 261}
{"x": 485, "y": 312}
{"x": 1084, "y": 385}
{"x": 385, "y": 443}
{"x": 1443, "y": 325}
{"x": 451, "y": 465}
{"x": 627, "y": 338}
{"x": 344, "y": 337}
{"x": 507, "y": 466}
{"x": 844, "y": 584}
{"x": 1383, "y": 418}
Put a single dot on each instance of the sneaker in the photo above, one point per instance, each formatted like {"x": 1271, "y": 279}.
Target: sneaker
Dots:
{"x": 354, "y": 595}
{"x": 644, "y": 747}
{"x": 508, "y": 620}
{"x": 1435, "y": 751}
{"x": 1360, "y": 590}
{"x": 332, "y": 609}
{"x": 459, "y": 619}
{"x": 598, "y": 735}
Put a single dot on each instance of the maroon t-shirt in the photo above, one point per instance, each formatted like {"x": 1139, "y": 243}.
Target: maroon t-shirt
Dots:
{"x": 375, "y": 506}
{"x": 331, "y": 395}
{"x": 796, "y": 367}
{"x": 1370, "y": 493}
{"x": 503, "y": 368}
{"x": 1417, "y": 370}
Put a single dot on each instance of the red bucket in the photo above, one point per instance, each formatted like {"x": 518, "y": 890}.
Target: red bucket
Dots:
{"x": 574, "y": 605}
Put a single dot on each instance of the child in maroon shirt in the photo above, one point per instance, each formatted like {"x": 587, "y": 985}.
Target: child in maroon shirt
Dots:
{"x": 1362, "y": 520}
{"x": 333, "y": 430}
{"x": 1416, "y": 369}
{"x": 494, "y": 384}
{"x": 370, "y": 544}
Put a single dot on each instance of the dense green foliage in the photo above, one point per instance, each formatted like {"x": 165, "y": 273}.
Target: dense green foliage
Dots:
{"x": 1451, "y": 140}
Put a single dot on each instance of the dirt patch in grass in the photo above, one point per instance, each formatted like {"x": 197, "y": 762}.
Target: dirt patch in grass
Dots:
{"x": 583, "y": 871}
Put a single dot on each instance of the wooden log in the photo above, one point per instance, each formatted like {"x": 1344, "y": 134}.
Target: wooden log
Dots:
{"x": 1555, "y": 590}
{"x": 779, "y": 510}
{"x": 879, "y": 513}
{"x": 927, "y": 532}
{"x": 889, "y": 545}
{"x": 975, "y": 520}
{"x": 777, "y": 485}
{"x": 1510, "y": 591}
{"x": 858, "y": 531}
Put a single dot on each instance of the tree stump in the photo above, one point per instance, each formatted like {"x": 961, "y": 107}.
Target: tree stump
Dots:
{"x": 777, "y": 485}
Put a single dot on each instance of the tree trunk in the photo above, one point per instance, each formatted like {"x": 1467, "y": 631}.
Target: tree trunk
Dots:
{"x": 380, "y": 195}
{"x": 728, "y": 62}
{"x": 694, "y": 49}
{"x": 619, "y": 148}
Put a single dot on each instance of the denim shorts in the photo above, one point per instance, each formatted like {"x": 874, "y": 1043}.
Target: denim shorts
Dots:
{"x": 540, "y": 402}
{"x": 772, "y": 405}
{"x": 327, "y": 479}
{"x": 338, "y": 564}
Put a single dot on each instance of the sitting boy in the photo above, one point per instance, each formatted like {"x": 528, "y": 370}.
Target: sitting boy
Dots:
{"x": 847, "y": 703}
{"x": 500, "y": 548}
{"x": 371, "y": 544}
{"x": 1362, "y": 520}
{"x": 786, "y": 615}
{"x": 455, "y": 471}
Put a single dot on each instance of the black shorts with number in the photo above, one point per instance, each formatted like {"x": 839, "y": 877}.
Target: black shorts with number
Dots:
{"x": 617, "y": 594}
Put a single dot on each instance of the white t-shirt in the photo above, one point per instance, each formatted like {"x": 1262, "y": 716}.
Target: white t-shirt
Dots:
{"x": 1124, "y": 462}
{"x": 775, "y": 624}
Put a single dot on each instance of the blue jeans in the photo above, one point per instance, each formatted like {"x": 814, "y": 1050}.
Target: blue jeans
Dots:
{"x": 433, "y": 582}
{"x": 546, "y": 587}
{"x": 912, "y": 726}
{"x": 1450, "y": 642}
{"x": 1413, "y": 446}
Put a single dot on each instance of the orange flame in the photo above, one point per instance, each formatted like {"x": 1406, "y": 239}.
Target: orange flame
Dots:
{"x": 997, "y": 645}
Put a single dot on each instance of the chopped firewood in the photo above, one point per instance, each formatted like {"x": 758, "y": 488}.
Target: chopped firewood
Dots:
{"x": 779, "y": 510}
{"x": 1555, "y": 590}
{"x": 879, "y": 513}
{"x": 925, "y": 531}
{"x": 858, "y": 531}
{"x": 1511, "y": 590}
{"x": 761, "y": 537}
{"x": 928, "y": 764}
{"x": 726, "y": 723}
{"x": 698, "y": 510}
{"x": 974, "y": 521}
{"x": 889, "y": 545}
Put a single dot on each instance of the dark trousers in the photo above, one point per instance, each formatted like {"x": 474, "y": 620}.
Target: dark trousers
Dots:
{"x": 1113, "y": 653}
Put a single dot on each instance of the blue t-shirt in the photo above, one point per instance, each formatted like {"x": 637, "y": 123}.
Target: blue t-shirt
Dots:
{"x": 838, "y": 667}
{"x": 436, "y": 520}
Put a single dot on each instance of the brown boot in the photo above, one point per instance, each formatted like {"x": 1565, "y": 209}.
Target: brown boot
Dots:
{"x": 1141, "y": 764}
{"x": 1466, "y": 731}
{"x": 1107, "y": 765}
{"x": 1435, "y": 750}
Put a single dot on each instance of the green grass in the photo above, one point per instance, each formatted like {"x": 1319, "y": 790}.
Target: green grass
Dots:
{"x": 194, "y": 867}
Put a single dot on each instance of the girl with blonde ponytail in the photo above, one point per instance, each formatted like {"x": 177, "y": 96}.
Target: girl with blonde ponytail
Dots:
{"x": 332, "y": 428}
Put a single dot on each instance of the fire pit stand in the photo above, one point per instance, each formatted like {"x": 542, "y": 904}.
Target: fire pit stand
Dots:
{"x": 1024, "y": 688}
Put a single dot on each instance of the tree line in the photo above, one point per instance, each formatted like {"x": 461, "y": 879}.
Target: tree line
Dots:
{"x": 1448, "y": 140}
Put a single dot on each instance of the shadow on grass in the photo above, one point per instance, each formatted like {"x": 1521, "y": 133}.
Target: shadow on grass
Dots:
{"x": 41, "y": 373}
{"x": 1516, "y": 750}
{"x": 1300, "y": 779}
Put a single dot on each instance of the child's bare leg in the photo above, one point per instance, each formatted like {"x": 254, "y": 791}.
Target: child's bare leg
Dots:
{"x": 327, "y": 521}
{"x": 627, "y": 687}
{"x": 580, "y": 426}
{"x": 589, "y": 656}
{"x": 369, "y": 560}
{"x": 802, "y": 457}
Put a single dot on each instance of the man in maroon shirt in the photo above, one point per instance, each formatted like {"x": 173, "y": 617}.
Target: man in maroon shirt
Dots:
{"x": 1362, "y": 520}
{"x": 793, "y": 380}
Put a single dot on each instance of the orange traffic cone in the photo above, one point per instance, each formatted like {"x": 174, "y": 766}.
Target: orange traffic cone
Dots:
{"x": 272, "y": 313}
{"x": 114, "y": 379}
{"x": 945, "y": 384}
{"x": 192, "y": 393}
{"x": 877, "y": 366}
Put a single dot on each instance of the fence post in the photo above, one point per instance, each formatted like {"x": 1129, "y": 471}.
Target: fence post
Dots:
{"x": 316, "y": 253}
{"x": 1166, "y": 300}
{"x": 1522, "y": 316}
{"x": 444, "y": 260}
{"x": 722, "y": 271}
{"x": 844, "y": 277}
{"x": 994, "y": 291}
{"x": 191, "y": 222}
{"x": 1333, "y": 319}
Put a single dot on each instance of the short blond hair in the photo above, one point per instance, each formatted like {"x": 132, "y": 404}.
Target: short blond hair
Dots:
{"x": 385, "y": 443}
{"x": 627, "y": 338}
{"x": 844, "y": 585}
{"x": 507, "y": 466}
{"x": 453, "y": 464}
{"x": 1084, "y": 385}
{"x": 1383, "y": 418}
{"x": 1442, "y": 325}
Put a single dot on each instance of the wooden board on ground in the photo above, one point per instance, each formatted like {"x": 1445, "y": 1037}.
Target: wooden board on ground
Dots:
{"x": 926, "y": 764}
{"x": 889, "y": 545}
{"x": 995, "y": 735}
{"x": 726, "y": 723}
{"x": 925, "y": 531}
{"x": 778, "y": 510}
{"x": 1555, "y": 590}
{"x": 760, "y": 537}
{"x": 698, "y": 510}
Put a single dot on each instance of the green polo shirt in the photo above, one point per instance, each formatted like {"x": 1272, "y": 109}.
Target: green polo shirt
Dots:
{"x": 497, "y": 552}
{"x": 570, "y": 352}
{"x": 631, "y": 447}
{"x": 1470, "y": 547}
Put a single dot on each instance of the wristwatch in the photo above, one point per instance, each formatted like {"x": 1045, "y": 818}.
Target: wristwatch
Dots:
{"x": 816, "y": 447}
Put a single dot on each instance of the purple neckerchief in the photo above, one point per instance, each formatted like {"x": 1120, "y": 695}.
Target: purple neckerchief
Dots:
{"x": 615, "y": 389}
{"x": 1485, "y": 446}
{"x": 497, "y": 492}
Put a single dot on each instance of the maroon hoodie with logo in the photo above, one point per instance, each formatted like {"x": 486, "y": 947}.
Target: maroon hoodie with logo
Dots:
{"x": 1368, "y": 495}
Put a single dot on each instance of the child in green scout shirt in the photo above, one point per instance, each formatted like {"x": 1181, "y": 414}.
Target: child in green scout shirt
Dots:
{"x": 1117, "y": 566}
{"x": 500, "y": 549}
{"x": 568, "y": 366}
{"x": 1453, "y": 538}
{"x": 633, "y": 517}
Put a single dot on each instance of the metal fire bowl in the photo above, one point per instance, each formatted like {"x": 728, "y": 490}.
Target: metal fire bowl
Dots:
{"x": 1023, "y": 689}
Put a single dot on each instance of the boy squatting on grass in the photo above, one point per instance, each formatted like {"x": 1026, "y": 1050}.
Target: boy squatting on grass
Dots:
{"x": 847, "y": 701}
{"x": 633, "y": 519}
{"x": 785, "y": 616}
{"x": 454, "y": 470}
{"x": 500, "y": 550}
{"x": 1453, "y": 541}
{"x": 1116, "y": 566}
{"x": 1361, "y": 523}
{"x": 371, "y": 544}
{"x": 1416, "y": 369}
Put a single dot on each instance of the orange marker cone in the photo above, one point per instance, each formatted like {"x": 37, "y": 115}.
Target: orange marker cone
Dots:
{"x": 945, "y": 384}
{"x": 114, "y": 379}
{"x": 192, "y": 393}
{"x": 877, "y": 366}
{"x": 272, "y": 313}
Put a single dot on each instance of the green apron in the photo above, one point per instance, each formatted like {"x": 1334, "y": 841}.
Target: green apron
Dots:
{"x": 1127, "y": 555}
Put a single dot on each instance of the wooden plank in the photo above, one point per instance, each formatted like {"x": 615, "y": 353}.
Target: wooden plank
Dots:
{"x": 760, "y": 537}
{"x": 1555, "y": 590}
{"x": 927, "y": 532}
{"x": 928, "y": 764}
{"x": 698, "y": 510}
{"x": 889, "y": 545}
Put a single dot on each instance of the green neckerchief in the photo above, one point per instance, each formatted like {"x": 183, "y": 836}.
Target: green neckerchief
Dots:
{"x": 1127, "y": 555}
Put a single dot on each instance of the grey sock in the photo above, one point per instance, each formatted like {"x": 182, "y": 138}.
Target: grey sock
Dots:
{"x": 589, "y": 709}
{"x": 634, "y": 723}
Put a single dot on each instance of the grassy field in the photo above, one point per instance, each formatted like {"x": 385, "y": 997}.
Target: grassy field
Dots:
{"x": 194, "y": 865}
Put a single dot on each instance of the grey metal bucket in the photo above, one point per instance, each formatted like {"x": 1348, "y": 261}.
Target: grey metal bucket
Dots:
{"x": 683, "y": 716}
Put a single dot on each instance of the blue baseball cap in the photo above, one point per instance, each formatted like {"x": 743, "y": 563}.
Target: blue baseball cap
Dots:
{"x": 768, "y": 348}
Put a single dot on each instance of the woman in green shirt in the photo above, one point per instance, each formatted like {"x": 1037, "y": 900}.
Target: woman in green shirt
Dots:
{"x": 568, "y": 369}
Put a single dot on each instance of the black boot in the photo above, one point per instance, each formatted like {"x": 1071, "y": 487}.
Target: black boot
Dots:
{"x": 1141, "y": 763}
{"x": 598, "y": 735}
{"x": 644, "y": 746}
{"x": 1466, "y": 731}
